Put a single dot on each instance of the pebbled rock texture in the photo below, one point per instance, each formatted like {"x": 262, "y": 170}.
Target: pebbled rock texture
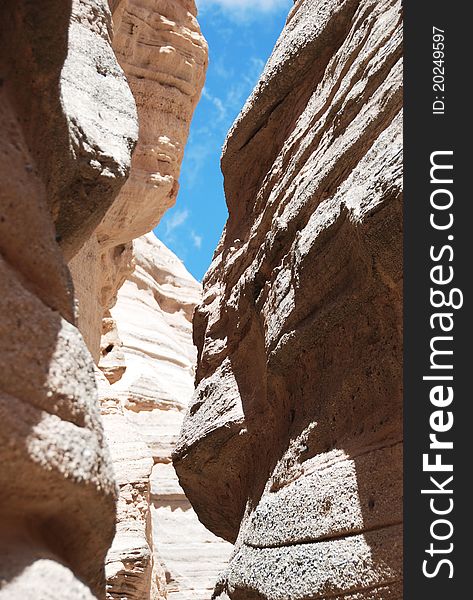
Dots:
{"x": 61, "y": 166}
{"x": 292, "y": 445}
{"x": 68, "y": 120}
{"x": 160, "y": 547}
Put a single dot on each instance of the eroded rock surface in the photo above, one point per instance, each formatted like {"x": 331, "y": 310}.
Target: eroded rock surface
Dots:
{"x": 164, "y": 55}
{"x": 61, "y": 167}
{"x": 68, "y": 120}
{"x": 292, "y": 444}
{"x": 146, "y": 359}
{"x": 147, "y": 384}
{"x": 160, "y": 547}
{"x": 77, "y": 112}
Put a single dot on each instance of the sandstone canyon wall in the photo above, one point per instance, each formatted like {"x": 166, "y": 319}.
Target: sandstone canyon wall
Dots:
{"x": 70, "y": 192}
{"x": 292, "y": 445}
{"x": 62, "y": 165}
{"x": 160, "y": 550}
{"x": 164, "y": 56}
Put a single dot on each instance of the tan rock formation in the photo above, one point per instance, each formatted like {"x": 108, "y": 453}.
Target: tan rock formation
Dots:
{"x": 159, "y": 45}
{"x": 164, "y": 55}
{"x": 75, "y": 103}
{"x": 167, "y": 550}
{"x": 62, "y": 164}
{"x": 145, "y": 390}
{"x": 191, "y": 555}
{"x": 69, "y": 126}
{"x": 292, "y": 444}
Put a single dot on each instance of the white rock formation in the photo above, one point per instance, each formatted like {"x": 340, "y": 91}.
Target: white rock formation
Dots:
{"x": 165, "y": 550}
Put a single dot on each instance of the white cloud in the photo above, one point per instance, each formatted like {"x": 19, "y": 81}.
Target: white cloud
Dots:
{"x": 176, "y": 220}
{"x": 221, "y": 69}
{"x": 217, "y": 102}
{"x": 196, "y": 240}
{"x": 245, "y": 7}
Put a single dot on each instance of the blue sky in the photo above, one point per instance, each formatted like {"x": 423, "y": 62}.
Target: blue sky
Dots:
{"x": 241, "y": 35}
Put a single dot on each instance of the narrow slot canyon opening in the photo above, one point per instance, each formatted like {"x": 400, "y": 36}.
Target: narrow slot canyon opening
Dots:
{"x": 201, "y": 394}
{"x": 147, "y": 360}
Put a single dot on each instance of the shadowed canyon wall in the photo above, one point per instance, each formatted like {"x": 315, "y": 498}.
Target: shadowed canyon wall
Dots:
{"x": 95, "y": 113}
{"x": 292, "y": 445}
{"x": 62, "y": 166}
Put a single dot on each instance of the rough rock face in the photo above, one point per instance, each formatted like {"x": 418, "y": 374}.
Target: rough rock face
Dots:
{"x": 191, "y": 555}
{"x": 69, "y": 124}
{"x": 164, "y": 55}
{"x": 292, "y": 443}
{"x": 147, "y": 380}
{"x": 165, "y": 549}
{"x": 73, "y": 99}
{"x": 57, "y": 504}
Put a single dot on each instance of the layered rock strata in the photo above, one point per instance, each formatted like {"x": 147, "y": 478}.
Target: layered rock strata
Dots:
{"x": 160, "y": 550}
{"x": 68, "y": 125}
{"x": 292, "y": 446}
{"x": 164, "y": 56}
